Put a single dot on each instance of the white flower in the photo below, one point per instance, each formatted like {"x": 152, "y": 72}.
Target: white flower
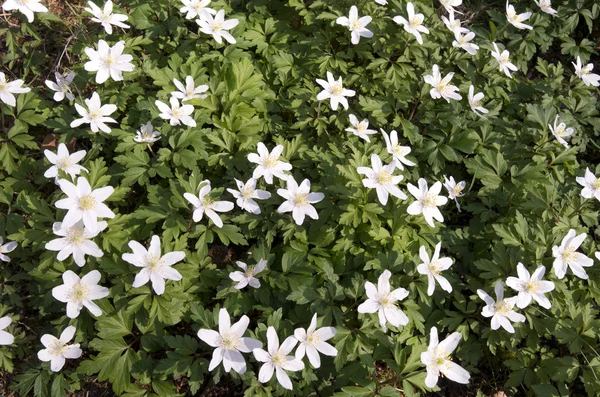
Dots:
{"x": 560, "y": 131}
{"x": 27, "y": 7}
{"x": 380, "y": 178}
{"x": 299, "y": 200}
{"x": 108, "y": 61}
{"x": 204, "y": 204}
{"x": 360, "y": 129}
{"x": 567, "y": 257}
{"x": 501, "y": 310}
{"x": 463, "y": 41}
{"x": 530, "y": 287}
{"x": 382, "y": 2}
{"x": 591, "y": 185}
{"x": 217, "y": 26}
{"x": 77, "y": 293}
{"x": 504, "y": 63}
{"x": 414, "y": 24}
{"x": 313, "y": 341}
{"x": 545, "y": 6}
{"x": 269, "y": 165}
{"x": 454, "y": 189}
{"x": 195, "y": 7}
{"x": 83, "y": 203}
{"x": 276, "y": 359}
{"x": 155, "y": 266}
{"x": 432, "y": 268}
{"x": 176, "y": 114}
{"x": 64, "y": 161}
{"x": 453, "y": 24}
{"x": 5, "y": 337}
{"x": 437, "y": 360}
{"x": 398, "y": 152}
{"x": 57, "y": 351}
{"x": 146, "y": 134}
{"x": 584, "y": 73}
{"x": 7, "y": 89}
{"x": 356, "y": 25}
{"x": 334, "y": 91}
{"x": 229, "y": 342}
{"x": 62, "y": 86}
{"x": 427, "y": 202}
{"x": 450, "y": 4}
{"x": 76, "y": 241}
{"x": 246, "y": 193}
{"x": 190, "y": 91}
{"x": 247, "y": 277}
{"x": 442, "y": 87}
{"x": 5, "y": 249}
{"x": 517, "y": 19}
{"x": 382, "y": 300}
{"x": 96, "y": 116}
{"x": 106, "y": 17}
{"x": 475, "y": 102}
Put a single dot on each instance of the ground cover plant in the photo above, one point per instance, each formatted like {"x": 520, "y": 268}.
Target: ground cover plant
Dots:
{"x": 299, "y": 198}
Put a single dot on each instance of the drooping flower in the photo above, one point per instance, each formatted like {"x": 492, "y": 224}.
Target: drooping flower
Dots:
{"x": 380, "y": 178}
{"x": 189, "y": 91}
{"x": 6, "y": 248}
{"x": 106, "y": 17}
{"x": 229, "y": 343}
{"x": 176, "y": 114}
{"x": 217, "y": 26}
{"x": 276, "y": 359}
{"x": 83, "y": 203}
{"x": 433, "y": 268}
{"x": 246, "y": 194}
{"x": 591, "y": 185}
{"x": 64, "y": 161}
{"x": 75, "y": 240}
{"x": 566, "y": 256}
{"x": 398, "y": 152}
{"x": 475, "y": 102}
{"x": 530, "y": 287}
{"x": 560, "y": 131}
{"x": 414, "y": 24}
{"x": 155, "y": 267}
{"x": 356, "y": 25}
{"x": 204, "y": 204}
{"x": 313, "y": 341}
{"x": 464, "y": 41}
{"x": 7, "y": 89}
{"x": 299, "y": 200}
{"x": 383, "y": 301}
{"x": 504, "y": 63}
{"x": 334, "y": 91}
{"x": 79, "y": 292}
{"x": 501, "y": 310}
{"x": 5, "y": 337}
{"x": 247, "y": 277}
{"x": 454, "y": 189}
{"x": 96, "y": 116}
{"x": 428, "y": 200}
{"x": 546, "y": 6}
{"x": 453, "y": 24}
{"x": 193, "y": 8}
{"x": 584, "y": 73}
{"x": 108, "y": 61}
{"x": 26, "y": 7}
{"x": 62, "y": 86}
{"x": 360, "y": 129}
{"x": 57, "y": 350}
{"x": 269, "y": 164}
{"x": 517, "y": 19}
{"x": 441, "y": 86}
{"x": 437, "y": 360}
{"x": 146, "y": 134}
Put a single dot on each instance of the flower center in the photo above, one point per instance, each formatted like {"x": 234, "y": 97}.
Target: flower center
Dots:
{"x": 64, "y": 162}
{"x": 356, "y": 25}
{"x": 300, "y": 199}
{"x": 384, "y": 177}
{"x": 75, "y": 236}
{"x": 176, "y": 112}
{"x": 360, "y": 127}
{"x": 109, "y": 61}
{"x": 57, "y": 348}
{"x": 385, "y": 301}
{"x": 153, "y": 262}
{"x": 532, "y": 286}
{"x": 560, "y": 130}
{"x": 94, "y": 114}
{"x": 250, "y": 272}
{"x": 230, "y": 341}
{"x": 87, "y": 202}
{"x": 504, "y": 59}
{"x": 313, "y": 339}
{"x": 336, "y": 88}
{"x": 435, "y": 267}
{"x": 416, "y": 21}
{"x": 217, "y": 26}
{"x": 247, "y": 192}
{"x": 207, "y": 202}
{"x": 401, "y": 151}
{"x": 79, "y": 292}
{"x": 596, "y": 184}
{"x": 569, "y": 254}
{"x": 2, "y": 86}
{"x": 503, "y": 307}
{"x": 429, "y": 200}
{"x": 587, "y": 69}
{"x": 270, "y": 161}
{"x": 278, "y": 359}
{"x": 457, "y": 190}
